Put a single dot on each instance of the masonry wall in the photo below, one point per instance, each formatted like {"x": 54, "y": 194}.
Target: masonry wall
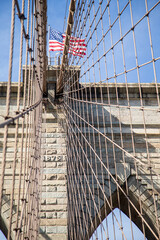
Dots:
{"x": 5, "y": 211}
{"x": 53, "y": 223}
{"x": 121, "y": 128}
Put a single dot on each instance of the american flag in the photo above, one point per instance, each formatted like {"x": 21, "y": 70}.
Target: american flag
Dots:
{"x": 77, "y": 46}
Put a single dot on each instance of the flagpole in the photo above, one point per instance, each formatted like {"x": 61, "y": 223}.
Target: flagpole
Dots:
{"x": 48, "y": 45}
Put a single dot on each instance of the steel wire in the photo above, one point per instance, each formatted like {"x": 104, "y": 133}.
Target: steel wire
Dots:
{"x": 101, "y": 120}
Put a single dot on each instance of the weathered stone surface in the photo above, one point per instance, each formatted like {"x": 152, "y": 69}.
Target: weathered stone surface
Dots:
{"x": 53, "y": 222}
{"x": 54, "y": 135}
{"x": 61, "y": 188}
{"x": 61, "y": 164}
{"x": 54, "y": 195}
{"x": 62, "y": 215}
{"x": 59, "y": 158}
{"x": 53, "y": 237}
{"x": 51, "y": 189}
{"x": 54, "y": 170}
{"x": 50, "y": 229}
{"x": 51, "y": 176}
{"x": 54, "y": 183}
{"x": 51, "y": 201}
{"x": 50, "y": 152}
{"x": 62, "y": 201}
{"x": 51, "y": 140}
{"x": 51, "y": 164}
{"x": 61, "y": 176}
{"x": 42, "y": 229}
{"x": 54, "y": 190}
{"x": 56, "y": 229}
{"x": 42, "y": 215}
{"x": 51, "y": 215}
{"x": 49, "y": 158}
{"x": 61, "y": 229}
{"x": 51, "y": 130}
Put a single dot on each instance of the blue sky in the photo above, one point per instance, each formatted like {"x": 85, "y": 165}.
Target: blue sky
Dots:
{"x": 56, "y": 11}
{"x": 5, "y": 19}
{"x": 126, "y": 228}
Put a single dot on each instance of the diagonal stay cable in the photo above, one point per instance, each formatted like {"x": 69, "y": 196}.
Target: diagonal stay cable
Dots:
{"x": 127, "y": 153}
{"x": 96, "y": 180}
{"x": 127, "y": 197}
{"x": 11, "y": 120}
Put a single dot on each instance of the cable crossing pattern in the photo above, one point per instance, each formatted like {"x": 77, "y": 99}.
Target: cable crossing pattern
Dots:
{"x": 110, "y": 149}
{"x": 22, "y": 127}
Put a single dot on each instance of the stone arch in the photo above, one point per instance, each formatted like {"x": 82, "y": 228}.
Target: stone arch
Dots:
{"x": 3, "y": 226}
{"x": 4, "y": 218}
{"x": 148, "y": 216}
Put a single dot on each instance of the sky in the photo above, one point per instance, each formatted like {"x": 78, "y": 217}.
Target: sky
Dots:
{"x": 138, "y": 235}
{"x": 55, "y": 18}
{"x": 5, "y": 19}
{"x": 56, "y": 13}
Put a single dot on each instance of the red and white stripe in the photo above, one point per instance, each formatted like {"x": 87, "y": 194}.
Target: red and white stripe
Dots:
{"x": 55, "y": 45}
{"x": 77, "y": 46}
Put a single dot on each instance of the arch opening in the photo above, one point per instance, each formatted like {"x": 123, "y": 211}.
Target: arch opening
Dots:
{"x": 2, "y": 236}
{"x": 110, "y": 230}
